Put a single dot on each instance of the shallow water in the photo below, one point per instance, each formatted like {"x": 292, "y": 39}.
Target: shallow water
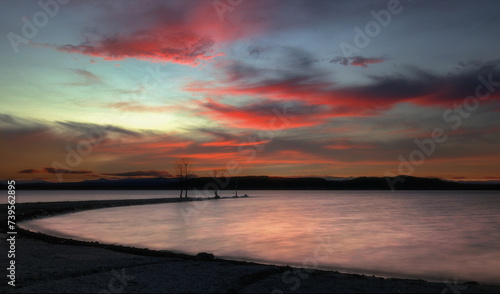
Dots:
{"x": 418, "y": 234}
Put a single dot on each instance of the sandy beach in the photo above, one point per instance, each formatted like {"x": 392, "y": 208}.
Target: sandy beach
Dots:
{"x": 46, "y": 264}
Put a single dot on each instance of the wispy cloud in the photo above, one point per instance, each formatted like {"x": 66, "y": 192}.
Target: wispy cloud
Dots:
{"x": 138, "y": 107}
{"x": 357, "y": 60}
{"x": 87, "y": 78}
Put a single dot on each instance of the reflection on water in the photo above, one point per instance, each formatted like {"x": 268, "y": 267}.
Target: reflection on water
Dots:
{"x": 432, "y": 235}
{"x": 24, "y": 196}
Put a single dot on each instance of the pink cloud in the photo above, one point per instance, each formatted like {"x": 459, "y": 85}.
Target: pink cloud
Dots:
{"x": 187, "y": 33}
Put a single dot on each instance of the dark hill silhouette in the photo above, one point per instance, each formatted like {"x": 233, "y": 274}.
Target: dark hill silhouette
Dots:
{"x": 262, "y": 183}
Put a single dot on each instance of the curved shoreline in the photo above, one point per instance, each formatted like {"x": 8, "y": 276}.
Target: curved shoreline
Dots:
{"x": 36, "y": 210}
{"x": 282, "y": 278}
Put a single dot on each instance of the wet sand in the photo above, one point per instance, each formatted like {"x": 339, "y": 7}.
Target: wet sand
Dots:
{"x": 46, "y": 264}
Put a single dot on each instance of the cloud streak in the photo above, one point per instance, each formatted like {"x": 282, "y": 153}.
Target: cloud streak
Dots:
{"x": 52, "y": 170}
{"x": 147, "y": 173}
{"x": 418, "y": 87}
{"x": 265, "y": 115}
{"x": 357, "y": 60}
{"x": 87, "y": 77}
{"x": 29, "y": 171}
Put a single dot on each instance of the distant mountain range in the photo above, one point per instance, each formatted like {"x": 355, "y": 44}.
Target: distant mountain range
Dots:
{"x": 263, "y": 183}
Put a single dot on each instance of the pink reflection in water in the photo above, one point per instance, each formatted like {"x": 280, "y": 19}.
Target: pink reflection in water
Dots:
{"x": 431, "y": 235}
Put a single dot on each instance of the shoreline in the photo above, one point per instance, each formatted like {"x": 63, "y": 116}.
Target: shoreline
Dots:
{"x": 244, "y": 276}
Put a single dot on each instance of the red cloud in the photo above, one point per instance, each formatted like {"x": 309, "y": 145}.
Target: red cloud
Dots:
{"x": 184, "y": 33}
{"x": 421, "y": 88}
{"x": 232, "y": 143}
{"x": 147, "y": 145}
{"x": 163, "y": 46}
{"x": 264, "y": 115}
{"x": 342, "y": 103}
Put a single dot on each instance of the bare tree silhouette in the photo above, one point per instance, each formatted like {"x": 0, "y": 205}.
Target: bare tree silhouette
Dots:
{"x": 179, "y": 170}
{"x": 183, "y": 172}
{"x": 216, "y": 174}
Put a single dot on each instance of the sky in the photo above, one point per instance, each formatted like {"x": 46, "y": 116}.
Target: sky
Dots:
{"x": 123, "y": 89}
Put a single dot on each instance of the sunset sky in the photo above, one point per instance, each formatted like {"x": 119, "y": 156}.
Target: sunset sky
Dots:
{"x": 117, "y": 89}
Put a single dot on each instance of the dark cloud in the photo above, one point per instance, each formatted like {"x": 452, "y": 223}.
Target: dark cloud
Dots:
{"x": 357, "y": 60}
{"x": 297, "y": 59}
{"x": 256, "y": 51}
{"x": 51, "y": 170}
{"x": 218, "y": 133}
{"x": 237, "y": 70}
{"x": 426, "y": 88}
{"x": 26, "y": 130}
{"x": 19, "y": 126}
{"x": 90, "y": 128}
{"x": 29, "y": 171}
{"x": 470, "y": 63}
{"x": 147, "y": 173}
{"x": 287, "y": 56}
{"x": 7, "y": 119}
{"x": 292, "y": 61}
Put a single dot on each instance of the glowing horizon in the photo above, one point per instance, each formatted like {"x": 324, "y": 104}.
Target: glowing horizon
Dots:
{"x": 309, "y": 88}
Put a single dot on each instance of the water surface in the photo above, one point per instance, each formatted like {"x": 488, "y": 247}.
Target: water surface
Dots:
{"x": 417, "y": 234}
{"x": 25, "y": 196}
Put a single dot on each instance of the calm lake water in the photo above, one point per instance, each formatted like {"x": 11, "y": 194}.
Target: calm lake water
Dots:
{"x": 417, "y": 234}
{"x": 23, "y": 196}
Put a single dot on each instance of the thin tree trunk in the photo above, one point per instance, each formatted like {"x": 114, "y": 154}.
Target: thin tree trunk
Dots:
{"x": 185, "y": 188}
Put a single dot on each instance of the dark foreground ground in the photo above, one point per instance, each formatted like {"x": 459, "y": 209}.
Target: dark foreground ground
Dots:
{"x": 47, "y": 264}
